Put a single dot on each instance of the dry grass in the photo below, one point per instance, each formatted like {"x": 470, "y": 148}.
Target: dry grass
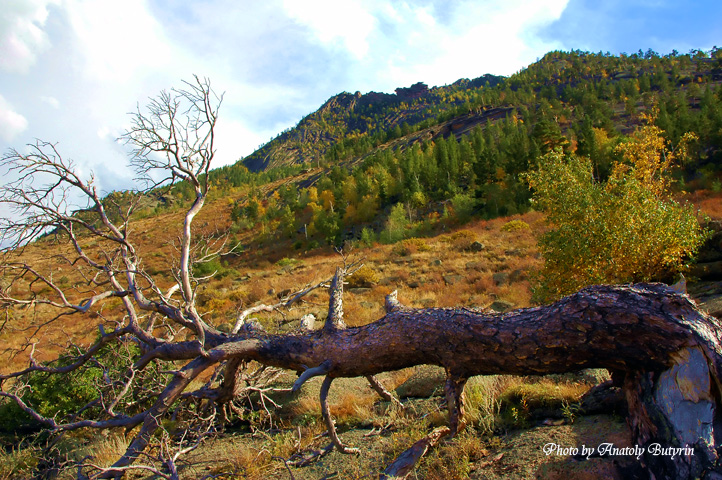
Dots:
{"x": 419, "y": 276}
{"x": 707, "y": 202}
{"x": 426, "y": 261}
{"x": 350, "y": 408}
{"x": 454, "y": 461}
{"x": 105, "y": 450}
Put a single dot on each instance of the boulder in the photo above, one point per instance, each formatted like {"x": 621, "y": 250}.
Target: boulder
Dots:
{"x": 517, "y": 275}
{"x": 476, "y": 247}
{"x": 359, "y": 290}
{"x": 308, "y": 321}
{"x": 500, "y": 278}
{"x": 708, "y": 271}
{"x": 452, "y": 279}
{"x": 426, "y": 381}
{"x": 501, "y": 306}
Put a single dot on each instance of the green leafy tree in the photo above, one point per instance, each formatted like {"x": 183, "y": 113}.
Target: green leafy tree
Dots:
{"x": 464, "y": 205}
{"x": 395, "y": 225}
{"x": 624, "y": 230}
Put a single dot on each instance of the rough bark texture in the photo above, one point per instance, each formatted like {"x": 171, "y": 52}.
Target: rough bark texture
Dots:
{"x": 665, "y": 349}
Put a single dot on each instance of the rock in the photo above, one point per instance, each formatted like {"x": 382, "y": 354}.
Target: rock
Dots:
{"x": 476, "y": 246}
{"x": 517, "y": 275}
{"x": 712, "y": 305}
{"x": 435, "y": 263}
{"x": 711, "y": 251}
{"x": 452, "y": 279}
{"x": 476, "y": 265}
{"x": 415, "y": 284}
{"x": 426, "y": 381}
{"x": 604, "y": 398}
{"x": 271, "y": 291}
{"x": 707, "y": 256}
{"x": 501, "y": 306}
{"x": 225, "y": 327}
{"x": 390, "y": 281}
{"x": 308, "y": 321}
{"x": 500, "y": 278}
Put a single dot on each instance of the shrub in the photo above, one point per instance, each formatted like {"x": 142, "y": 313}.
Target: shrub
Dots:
{"x": 287, "y": 262}
{"x": 463, "y": 235}
{"x": 515, "y": 226}
{"x": 624, "y": 230}
{"x": 363, "y": 277}
{"x": 61, "y": 395}
{"x": 461, "y": 240}
{"x": 410, "y": 246}
{"x": 212, "y": 267}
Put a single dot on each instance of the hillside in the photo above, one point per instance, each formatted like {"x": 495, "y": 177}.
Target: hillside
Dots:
{"x": 369, "y": 118}
{"x": 427, "y": 188}
{"x": 461, "y": 151}
{"x": 605, "y": 89}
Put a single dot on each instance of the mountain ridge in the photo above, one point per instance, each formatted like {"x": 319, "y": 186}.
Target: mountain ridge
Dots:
{"x": 347, "y": 114}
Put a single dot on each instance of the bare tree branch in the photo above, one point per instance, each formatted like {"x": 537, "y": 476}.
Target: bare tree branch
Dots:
{"x": 154, "y": 341}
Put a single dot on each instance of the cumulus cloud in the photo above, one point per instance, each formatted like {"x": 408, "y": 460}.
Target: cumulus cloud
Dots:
{"x": 118, "y": 41}
{"x": 351, "y": 22}
{"x": 440, "y": 43}
{"x": 12, "y": 123}
{"x": 22, "y": 36}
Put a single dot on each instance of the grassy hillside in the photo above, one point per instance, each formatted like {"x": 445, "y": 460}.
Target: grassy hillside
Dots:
{"x": 426, "y": 187}
{"x": 452, "y": 153}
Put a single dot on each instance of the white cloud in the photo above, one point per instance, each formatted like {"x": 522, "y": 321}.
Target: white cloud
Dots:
{"x": 470, "y": 39}
{"x": 22, "y": 36}
{"x": 12, "y": 123}
{"x": 118, "y": 41}
{"x": 331, "y": 20}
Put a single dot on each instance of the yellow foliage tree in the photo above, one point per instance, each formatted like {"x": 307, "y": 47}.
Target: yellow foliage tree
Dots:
{"x": 327, "y": 199}
{"x": 624, "y": 230}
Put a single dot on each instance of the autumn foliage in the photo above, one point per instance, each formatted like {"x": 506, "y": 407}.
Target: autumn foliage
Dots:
{"x": 626, "y": 229}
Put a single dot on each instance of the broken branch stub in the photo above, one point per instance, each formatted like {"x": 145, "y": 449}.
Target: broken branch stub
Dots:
{"x": 334, "y": 321}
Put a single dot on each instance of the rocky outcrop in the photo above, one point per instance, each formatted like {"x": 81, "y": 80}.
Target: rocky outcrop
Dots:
{"x": 417, "y": 90}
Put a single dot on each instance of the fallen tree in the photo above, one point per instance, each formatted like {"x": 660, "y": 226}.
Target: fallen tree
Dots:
{"x": 660, "y": 348}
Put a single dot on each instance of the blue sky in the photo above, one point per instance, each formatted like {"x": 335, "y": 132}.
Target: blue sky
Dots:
{"x": 70, "y": 70}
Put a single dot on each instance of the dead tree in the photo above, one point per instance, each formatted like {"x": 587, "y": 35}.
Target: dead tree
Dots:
{"x": 665, "y": 353}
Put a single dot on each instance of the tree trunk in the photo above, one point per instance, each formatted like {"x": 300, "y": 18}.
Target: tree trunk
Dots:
{"x": 667, "y": 353}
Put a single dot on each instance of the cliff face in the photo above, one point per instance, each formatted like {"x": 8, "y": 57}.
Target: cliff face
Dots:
{"x": 350, "y": 115}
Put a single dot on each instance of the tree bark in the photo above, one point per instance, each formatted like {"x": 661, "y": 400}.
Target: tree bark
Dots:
{"x": 668, "y": 352}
